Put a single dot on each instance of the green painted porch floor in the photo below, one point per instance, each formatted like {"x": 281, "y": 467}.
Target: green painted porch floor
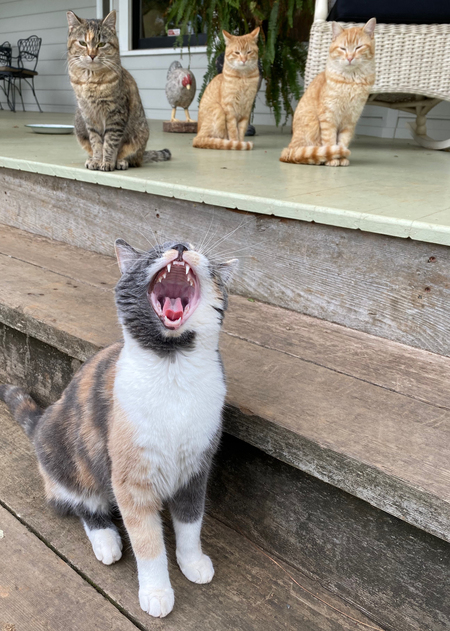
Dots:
{"x": 392, "y": 187}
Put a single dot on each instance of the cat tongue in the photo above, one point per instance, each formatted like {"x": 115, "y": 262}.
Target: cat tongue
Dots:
{"x": 173, "y": 308}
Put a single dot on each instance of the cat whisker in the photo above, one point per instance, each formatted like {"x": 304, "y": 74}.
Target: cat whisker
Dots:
{"x": 229, "y": 234}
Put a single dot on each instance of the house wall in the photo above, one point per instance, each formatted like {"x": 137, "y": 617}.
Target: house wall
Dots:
{"x": 47, "y": 18}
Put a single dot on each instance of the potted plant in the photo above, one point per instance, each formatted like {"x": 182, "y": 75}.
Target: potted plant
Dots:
{"x": 284, "y": 31}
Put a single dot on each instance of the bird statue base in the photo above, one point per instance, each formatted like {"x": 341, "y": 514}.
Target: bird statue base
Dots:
{"x": 180, "y": 127}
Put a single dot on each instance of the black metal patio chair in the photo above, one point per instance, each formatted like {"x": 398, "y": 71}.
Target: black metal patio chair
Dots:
{"x": 27, "y": 60}
{"x": 5, "y": 72}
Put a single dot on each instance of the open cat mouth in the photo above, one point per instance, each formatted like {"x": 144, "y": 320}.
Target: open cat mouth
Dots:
{"x": 174, "y": 294}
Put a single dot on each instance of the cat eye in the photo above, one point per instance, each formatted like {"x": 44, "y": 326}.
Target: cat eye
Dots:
{"x": 340, "y": 48}
{"x": 82, "y": 43}
{"x": 101, "y": 44}
{"x": 358, "y": 47}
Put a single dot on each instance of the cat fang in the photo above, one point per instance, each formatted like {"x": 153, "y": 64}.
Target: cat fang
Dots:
{"x": 174, "y": 292}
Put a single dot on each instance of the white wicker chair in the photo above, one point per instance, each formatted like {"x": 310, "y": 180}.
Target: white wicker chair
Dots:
{"x": 412, "y": 67}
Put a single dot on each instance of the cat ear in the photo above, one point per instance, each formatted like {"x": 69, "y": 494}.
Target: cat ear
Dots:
{"x": 73, "y": 20}
{"x": 336, "y": 30}
{"x": 126, "y": 255}
{"x": 255, "y": 34}
{"x": 227, "y": 37}
{"x": 227, "y": 270}
{"x": 369, "y": 28}
{"x": 110, "y": 20}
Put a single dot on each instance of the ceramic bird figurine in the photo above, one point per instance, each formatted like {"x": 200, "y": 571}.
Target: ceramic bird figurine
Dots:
{"x": 180, "y": 89}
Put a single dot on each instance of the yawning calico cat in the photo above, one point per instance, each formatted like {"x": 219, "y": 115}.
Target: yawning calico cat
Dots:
{"x": 227, "y": 102}
{"x": 326, "y": 116}
{"x": 140, "y": 422}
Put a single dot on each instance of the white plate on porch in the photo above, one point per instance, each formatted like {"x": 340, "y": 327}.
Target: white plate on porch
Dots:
{"x": 51, "y": 129}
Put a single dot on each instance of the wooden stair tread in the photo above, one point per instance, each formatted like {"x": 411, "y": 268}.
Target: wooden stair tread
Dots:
{"x": 248, "y": 591}
{"x": 368, "y": 415}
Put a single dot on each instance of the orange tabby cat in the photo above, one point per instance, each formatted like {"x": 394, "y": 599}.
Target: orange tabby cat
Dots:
{"x": 326, "y": 116}
{"x": 227, "y": 102}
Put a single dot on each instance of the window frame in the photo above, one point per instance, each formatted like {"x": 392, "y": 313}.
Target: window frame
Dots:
{"x": 158, "y": 43}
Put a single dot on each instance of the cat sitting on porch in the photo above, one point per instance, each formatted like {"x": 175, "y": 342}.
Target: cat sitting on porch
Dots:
{"x": 110, "y": 121}
{"x": 326, "y": 116}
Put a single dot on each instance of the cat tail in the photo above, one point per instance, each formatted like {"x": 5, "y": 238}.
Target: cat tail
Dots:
{"x": 221, "y": 143}
{"x": 24, "y": 409}
{"x": 314, "y": 155}
{"x": 157, "y": 156}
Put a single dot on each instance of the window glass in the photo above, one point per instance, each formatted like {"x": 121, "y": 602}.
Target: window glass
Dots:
{"x": 150, "y": 28}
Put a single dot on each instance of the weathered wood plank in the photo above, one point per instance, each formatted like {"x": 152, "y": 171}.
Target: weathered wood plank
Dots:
{"x": 248, "y": 591}
{"x": 38, "y": 591}
{"x": 393, "y": 570}
{"x": 415, "y": 373}
{"x": 389, "y": 287}
{"x": 387, "y": 449}
{"x": 64, "y": 311}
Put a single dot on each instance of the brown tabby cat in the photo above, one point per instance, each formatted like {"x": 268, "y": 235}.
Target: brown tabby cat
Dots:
{"x": 110, "y": 121}
{"x": 227, "y": 102}
{"x": 326, "y": 116}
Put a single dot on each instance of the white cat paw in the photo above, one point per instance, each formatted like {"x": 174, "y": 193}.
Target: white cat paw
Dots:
{"x": 157, "y": 602}
{"x": 201, "y": 571}
{"x": 333, "y": 163}
{"x": 107, "y": 545}
{"x": 344, "y": 162}
{"x": 122, "y": 165}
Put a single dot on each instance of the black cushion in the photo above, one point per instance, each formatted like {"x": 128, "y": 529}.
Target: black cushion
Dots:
{"x": 392, "y": 11}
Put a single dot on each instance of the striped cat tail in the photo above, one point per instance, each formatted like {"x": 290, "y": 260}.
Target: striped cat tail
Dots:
{"x": 26, "y": 412}
{"x": 220, "y": 143}
{"x": 314, "y": 155}
{"x": 157, "y": 156}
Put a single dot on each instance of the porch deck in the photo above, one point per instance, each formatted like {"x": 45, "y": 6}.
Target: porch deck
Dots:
{"x": 393, "y": 187}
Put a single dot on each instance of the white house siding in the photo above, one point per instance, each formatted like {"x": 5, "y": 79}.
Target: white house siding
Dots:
{"x": 47, "y": 18}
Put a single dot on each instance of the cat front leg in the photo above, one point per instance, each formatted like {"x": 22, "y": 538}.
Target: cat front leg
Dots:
{"x": 94, "y": 163}
{"x": 187, "y": 509}
{"x": 345, "y": 135}
{"x": 242, "y": 128}
{"x": 113, "y": 137}
{"x": 232, "y": 126}
{"x": 328, "y": 132}
{"x": 143, "y": 523}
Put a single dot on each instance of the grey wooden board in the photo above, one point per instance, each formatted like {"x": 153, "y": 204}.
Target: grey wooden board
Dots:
{"x": 390, "y": 287}
{"x": 384, "y": 442}
{"x": 399, "y": 574}
{"x": 39, "y": 592}
{"x": 423, "y": 376}
{"x": 249, "y": 592}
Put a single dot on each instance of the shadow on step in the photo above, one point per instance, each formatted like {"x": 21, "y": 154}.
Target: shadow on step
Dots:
{"x": 397, "y": 574}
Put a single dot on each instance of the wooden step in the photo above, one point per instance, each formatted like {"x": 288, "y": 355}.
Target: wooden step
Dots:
{"x": 364, "y": 414}
{"x": 387, "y": 286}
{"x": 57, "y": 583}
{"x": 38, "y": 591}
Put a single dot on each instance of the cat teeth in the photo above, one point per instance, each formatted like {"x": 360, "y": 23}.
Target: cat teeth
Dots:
{"x": 169, "y": 267}
{"x": 187, "y": 269}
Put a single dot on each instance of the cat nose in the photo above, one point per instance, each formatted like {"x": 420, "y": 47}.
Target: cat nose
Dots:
{"x": 180, "y": 248}
{"x": 92, "y": 57}
{"x": 350, "y": 59}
